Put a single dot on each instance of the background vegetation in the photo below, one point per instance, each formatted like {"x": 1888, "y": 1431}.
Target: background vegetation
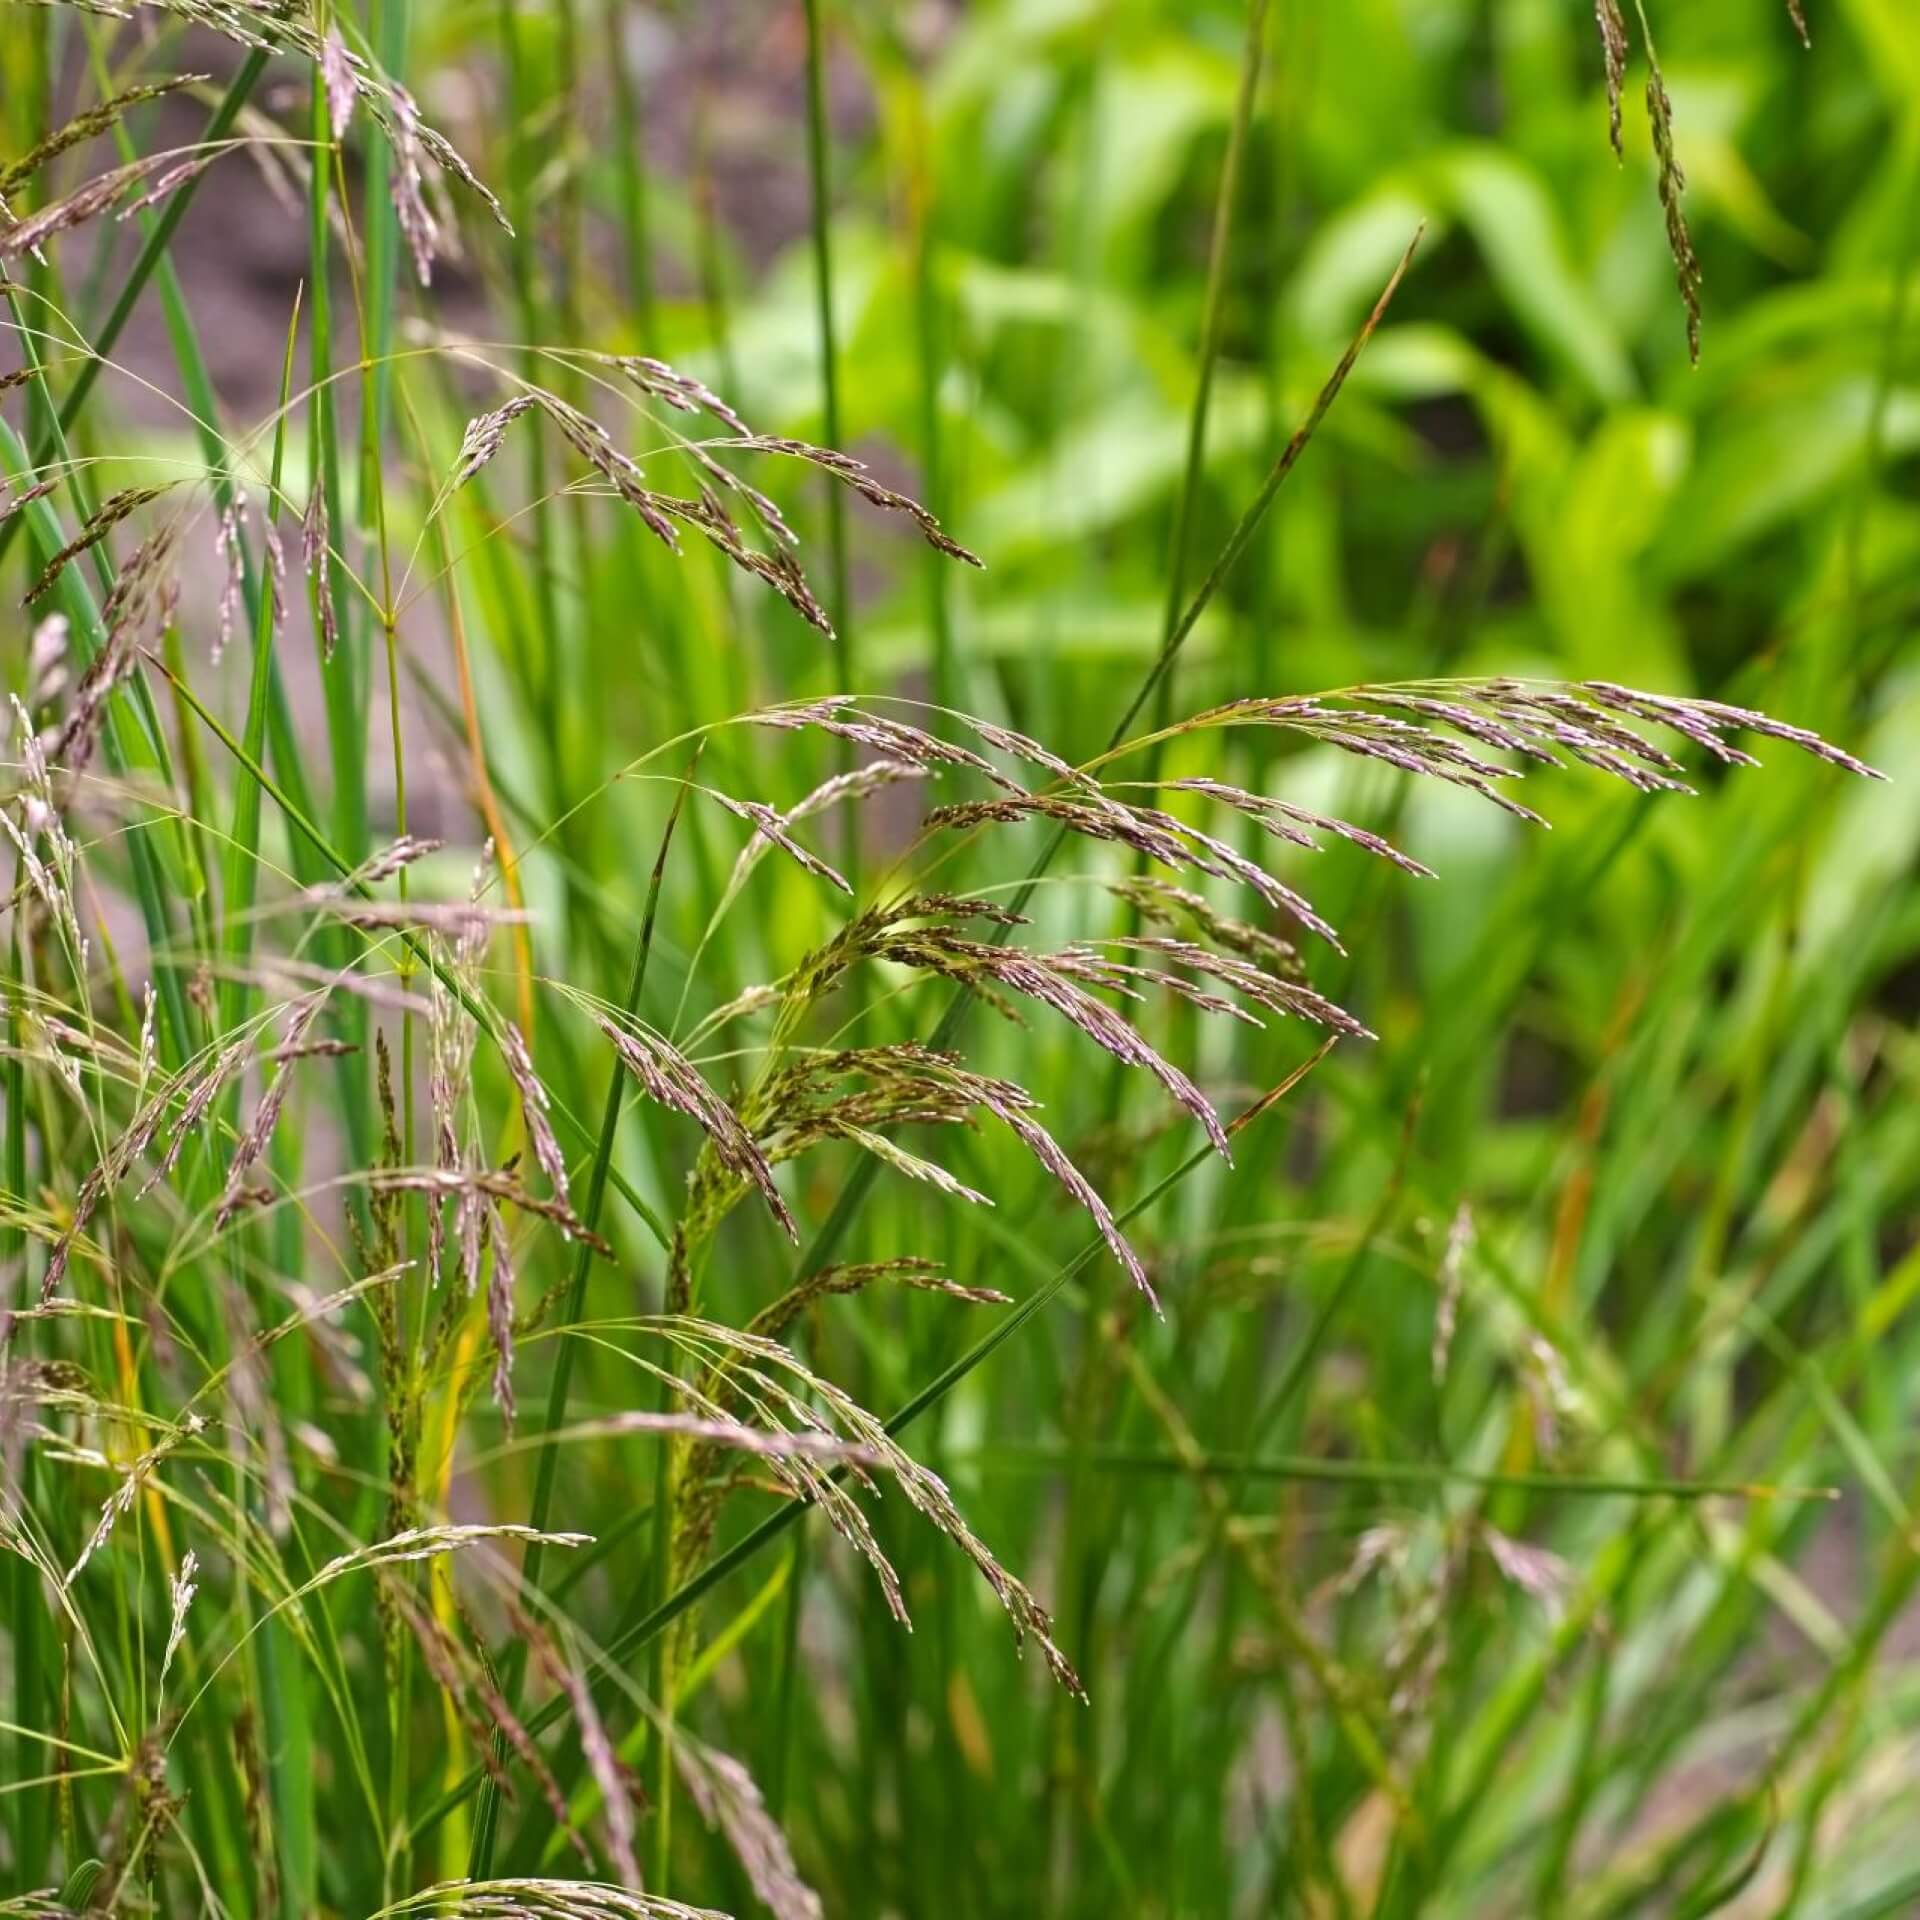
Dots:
{"x": 1460, "y": 1540}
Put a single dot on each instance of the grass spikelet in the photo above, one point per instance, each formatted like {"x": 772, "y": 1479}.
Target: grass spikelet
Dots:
{"x": 388, "y": 104}
{"x": 708, "y": 517}
{"x": 482, "y": 1185}
{"x": 727, "y": 1798}
{"x": 485, "y": 434}
{"x": 1707, "y": 722}
{"x": 51, "y": 879}
{"x": 229, "y": 541}
{"x": 855, "y": 784}
{"x": 455, "y": 918}
{"x": 142, "y": 600}
{"x": 47, "y": 660}
{"x": 1540, "y": 722}
{"x": 535, "y": 1103}
{"x": 1535, "y": 1571}
{"x": 181, "y": 1590}
{"x": 1672, "y": 189}
{"x": 1052, "y": 980}
{"x": 1161, "y": 903}
{"x": 854, "y": 474}
{"x": 395, "y": 857}
{"x": 416, "y": 220}
{"x": 102, "y": 194}
{"x": 173, "y": 178}
{"x": 119, "y": 1503}
{"x": 429, "y": 1542}
{"x": 275, "y": 585}
{"x": 1285, "y": 821}
{"x": 13, "y": 497}
{"x": 500, "y": 1284}
{"x": 617, "y": 1786}
{"x": 1613, "y": 54}
{"x": 538, "y": 1899}
{"x": 680, "y": 391}
{"x": 337, "y": 75}
{"x": 668, "y": 1077}
{"x": 705, "y": 513}
{"x": 781, "y": 1390}
{"x": 101, "y": 522}
{"x": 773, "y": 1320}
{"x": 771, "y": 827}
{"x": 901, "y": 1161}
{"x": 1154, "y": 834}
{"x": 893, "y": 740}
{"x": 1276, "y": 993}
{"x": 451, "y": 1032}
{"x": 466, "y": 1679}
{"x": 734, "y": 1436}
{"x": 914, "y": 1085}
{"x": 258, "y": 1134}
{"x": 315, "y": 550}
{"x": 1020, "y": 746}
{"x": 1451, "y": 1283}
{"x": 88, "y": 125}
{"x": 1048, "y": 1151}
{"x": 198, "y": 1086}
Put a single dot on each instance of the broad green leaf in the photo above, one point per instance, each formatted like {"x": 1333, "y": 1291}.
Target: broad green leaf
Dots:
{"x": 1520, "y": 236}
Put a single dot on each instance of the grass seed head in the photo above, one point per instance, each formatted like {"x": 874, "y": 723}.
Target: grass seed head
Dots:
{"x": 1613, "y": 54}
{"x": 1672, "y": 188}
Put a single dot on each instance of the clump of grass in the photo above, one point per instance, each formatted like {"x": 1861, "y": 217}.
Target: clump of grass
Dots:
{"x": 295, "y": 1207}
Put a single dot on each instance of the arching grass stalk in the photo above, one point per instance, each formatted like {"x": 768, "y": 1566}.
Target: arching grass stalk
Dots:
{"x": 825, "y": 1244}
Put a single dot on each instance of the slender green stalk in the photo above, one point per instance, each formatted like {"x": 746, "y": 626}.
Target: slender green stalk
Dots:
{"x": 545, "y": 660}
{"x": 631, "y": 159}
{"x": 787, "y": 1682}
{"x": 1369, "y": 1473}
{"x": 343, "y": 676}
{"x": 1212, "y": 327}
{"x": 819, "y": 187}
{"x": 32, "y": 1827}
{"x": 282, "y": 1685}
{"x": 387, "y": 24}
{"x": 243, "y": 841}
{"x": 930, "y": 341}
{"x": 560, "y": 1387}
